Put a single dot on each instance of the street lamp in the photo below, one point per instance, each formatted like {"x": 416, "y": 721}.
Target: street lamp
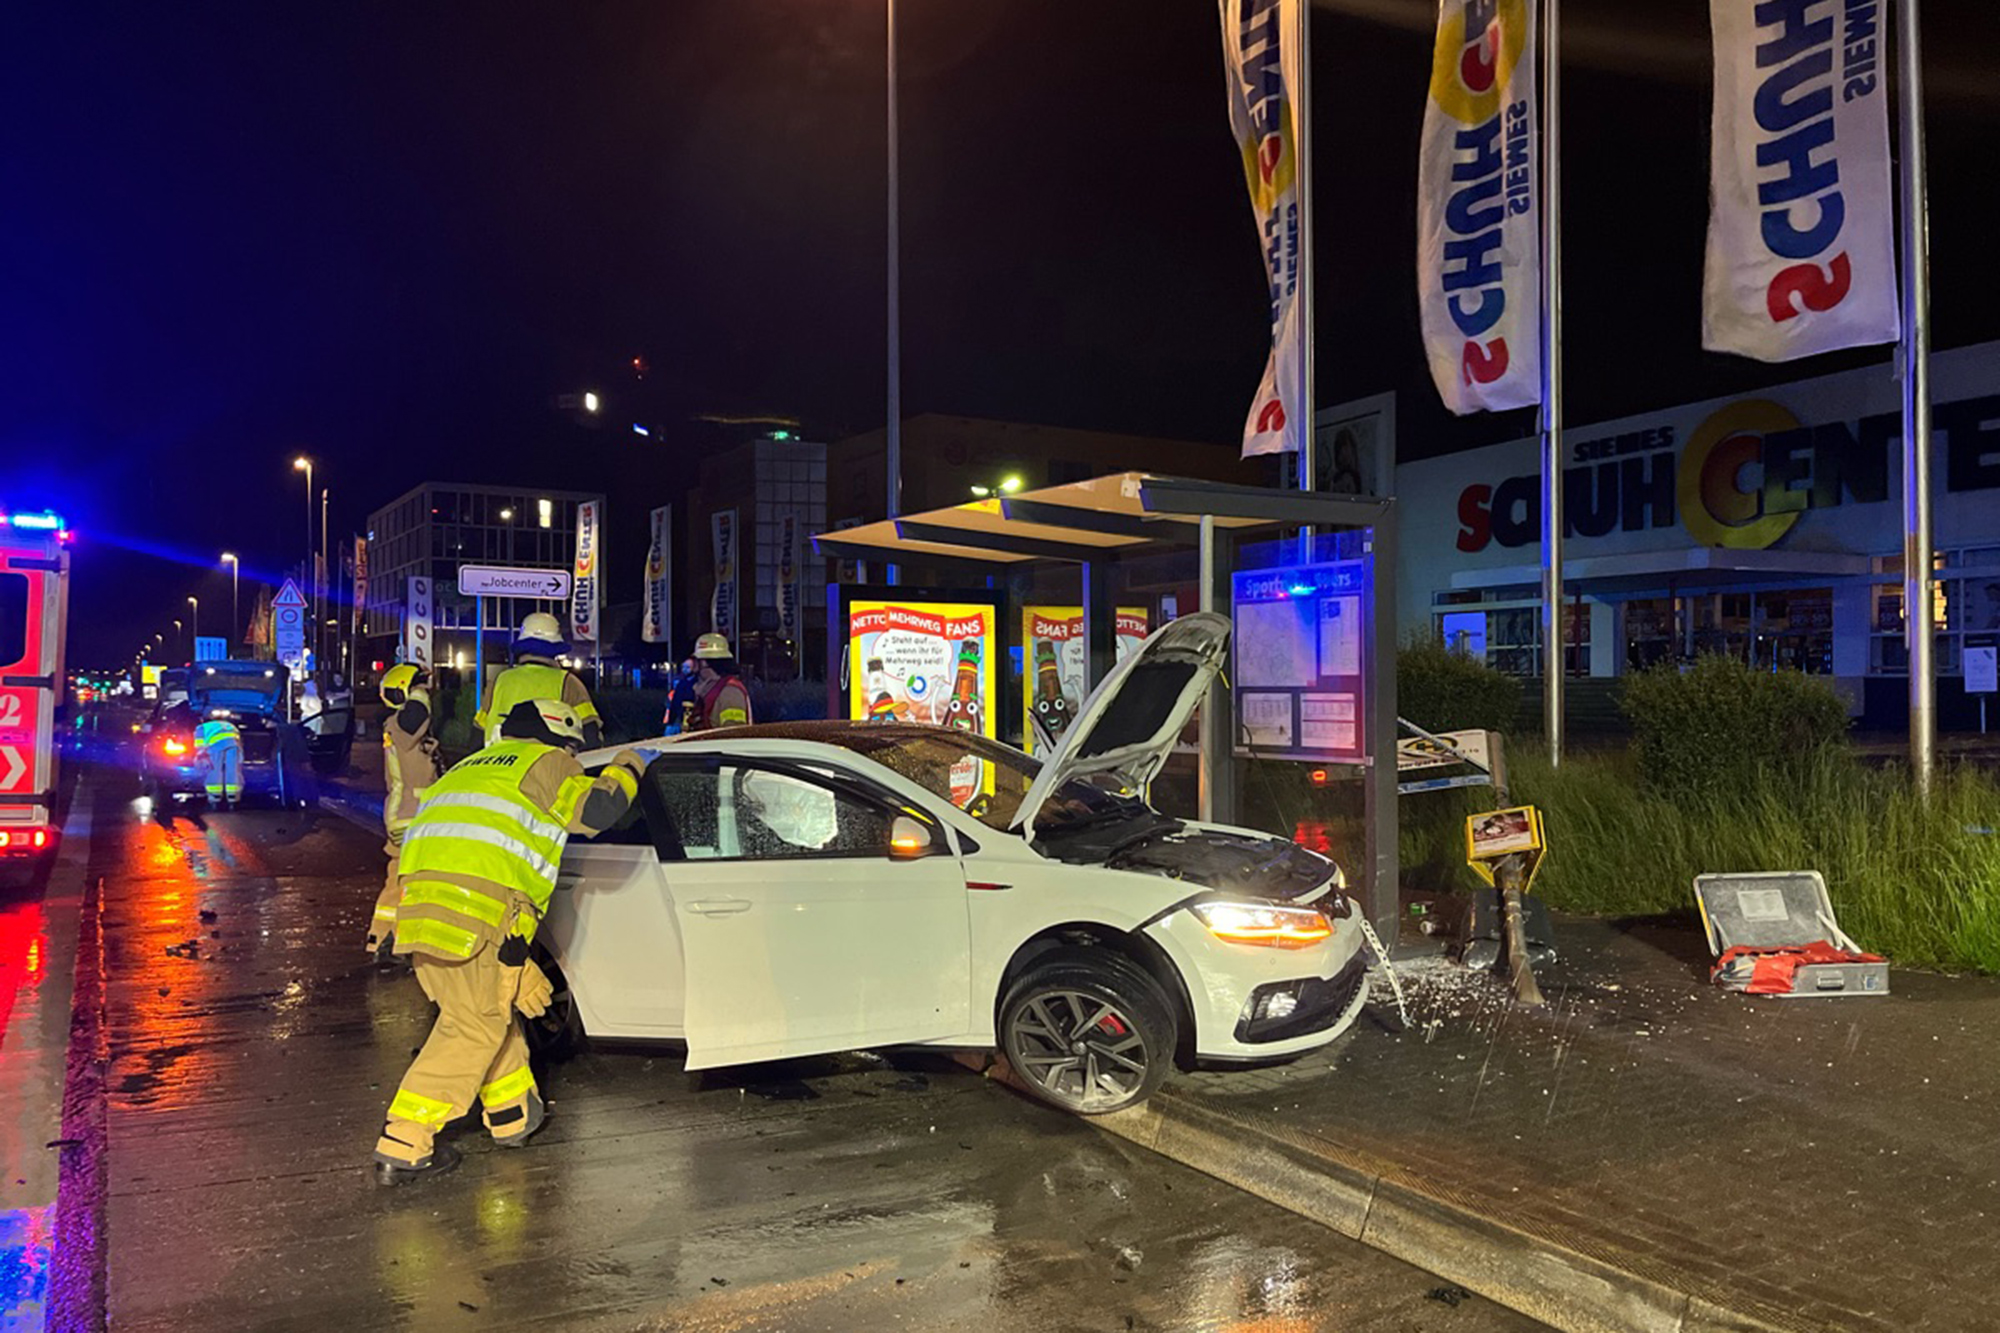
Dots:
{"x": 1007, "y": 485}
{"x": 194, "y": 622}
{"x": 591, "y": 402}
{"x": 305, "y": 465}
{"x": 235, "y": 590}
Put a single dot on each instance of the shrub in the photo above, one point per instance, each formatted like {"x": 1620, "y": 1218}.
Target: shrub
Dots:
{"x": 1720, "y": 729}
{"x": 1442, "y": 690}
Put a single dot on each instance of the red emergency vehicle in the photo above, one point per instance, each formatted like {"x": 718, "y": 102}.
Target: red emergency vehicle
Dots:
{"x": 34, "y": 608}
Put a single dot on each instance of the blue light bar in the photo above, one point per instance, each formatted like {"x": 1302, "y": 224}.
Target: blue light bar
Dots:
{"x": 46, "y": 521}
{"x": 638, "y": 429}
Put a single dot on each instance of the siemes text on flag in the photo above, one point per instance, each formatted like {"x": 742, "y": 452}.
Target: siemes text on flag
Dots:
{"x": 1801, "y": 244}
{"x": 1479, "y": 268}
{"x": 1260, "y": 51}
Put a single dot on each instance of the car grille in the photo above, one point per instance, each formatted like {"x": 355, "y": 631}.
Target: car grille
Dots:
{"x": 1321, "y": 1004}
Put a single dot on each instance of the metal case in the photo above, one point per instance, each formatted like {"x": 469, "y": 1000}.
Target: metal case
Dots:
{"x": 1777, "y": 908}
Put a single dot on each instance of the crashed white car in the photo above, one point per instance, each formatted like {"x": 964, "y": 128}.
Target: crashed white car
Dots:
{"x": 803, "y": 888}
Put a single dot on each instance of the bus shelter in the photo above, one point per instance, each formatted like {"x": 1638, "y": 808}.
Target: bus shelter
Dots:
{"x": 1307, "y": 579}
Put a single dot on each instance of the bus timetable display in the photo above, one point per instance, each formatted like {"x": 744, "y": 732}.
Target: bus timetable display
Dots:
{"x": 1299, "y": 661}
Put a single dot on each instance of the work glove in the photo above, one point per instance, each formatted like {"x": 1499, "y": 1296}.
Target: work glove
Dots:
{"x": 634, "y": 760}
{"x": 535, "y": 992}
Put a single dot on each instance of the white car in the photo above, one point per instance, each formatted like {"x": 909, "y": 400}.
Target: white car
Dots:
{"x": 811, "y": 887}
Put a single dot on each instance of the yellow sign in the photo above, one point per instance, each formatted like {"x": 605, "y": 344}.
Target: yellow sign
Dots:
{"x": 1057, "y": 678}
{"x": 1495, "y": 834}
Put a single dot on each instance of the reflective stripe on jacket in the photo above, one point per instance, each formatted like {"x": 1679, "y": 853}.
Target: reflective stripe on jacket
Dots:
{"x": 526, "y": 682}
{"x": 725, "y": 704}
{"x": 409, "y": 766}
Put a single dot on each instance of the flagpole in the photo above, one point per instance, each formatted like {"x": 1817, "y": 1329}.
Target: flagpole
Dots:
{"x": 1302, "y": 130}
{"x": 1552, "y": 393}
{"x": 1916, "y": 393}
{"x": 893, "y": 436}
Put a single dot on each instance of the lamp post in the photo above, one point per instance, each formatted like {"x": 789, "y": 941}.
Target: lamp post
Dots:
{"x": 893, "y": 444}
{"x": 194, "y": 624}
{"x": 305, "y": 465}
{"x": 235, "y": 593}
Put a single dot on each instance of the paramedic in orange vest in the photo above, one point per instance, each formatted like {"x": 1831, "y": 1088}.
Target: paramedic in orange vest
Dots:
{"x": 721, "y": 697}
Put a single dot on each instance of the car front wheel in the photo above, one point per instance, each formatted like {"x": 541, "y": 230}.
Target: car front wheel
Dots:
{"x": 556, "y": 1033}
{"x": 1088, "y": 1031}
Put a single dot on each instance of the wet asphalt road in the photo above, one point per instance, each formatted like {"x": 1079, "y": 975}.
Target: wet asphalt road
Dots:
{"x": 252, "y": 1050}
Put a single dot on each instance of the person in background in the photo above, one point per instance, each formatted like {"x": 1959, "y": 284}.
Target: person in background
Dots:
{"x": 721, "y": 697}
{"x": 410, "y": 764}
{"x": 682, "y": 699}
{"x": 220, "y": 746}
{"x": 535, "y": 675}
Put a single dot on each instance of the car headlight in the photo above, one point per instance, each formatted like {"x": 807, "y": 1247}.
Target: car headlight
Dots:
{"x": 1264, "y": 924}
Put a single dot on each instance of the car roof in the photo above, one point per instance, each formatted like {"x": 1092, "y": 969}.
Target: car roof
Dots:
{"x": 775, "y": 737}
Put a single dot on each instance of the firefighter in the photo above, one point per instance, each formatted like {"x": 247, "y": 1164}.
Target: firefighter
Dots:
{"x": 410, "y": 764}
{"x": 220, "y": 746}
{"x": 477, "y": 867}
{"x": 681, "y": 699}
{"x": 721, "y": 697}
{"x": 535, "y": 675}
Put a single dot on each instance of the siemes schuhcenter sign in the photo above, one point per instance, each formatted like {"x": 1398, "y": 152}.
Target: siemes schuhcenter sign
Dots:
{"x": 1739, "y": 473}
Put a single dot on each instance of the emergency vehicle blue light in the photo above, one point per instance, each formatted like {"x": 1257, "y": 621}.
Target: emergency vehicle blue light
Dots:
{"x": 46, "y": 521}
{"x": 638, "y": 429}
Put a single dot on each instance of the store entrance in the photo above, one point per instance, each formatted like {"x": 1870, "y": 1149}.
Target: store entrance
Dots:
{"x": 1789, "y": 628}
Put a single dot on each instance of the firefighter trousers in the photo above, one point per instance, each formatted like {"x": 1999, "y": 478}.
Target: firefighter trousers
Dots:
{"x": 383, "y": 923}
{"x": 222, "y": 770}
{"x": 475, "y": 1050}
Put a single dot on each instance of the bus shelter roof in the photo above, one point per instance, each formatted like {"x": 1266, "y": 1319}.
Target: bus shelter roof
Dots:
{"x": 1088, "y": 520}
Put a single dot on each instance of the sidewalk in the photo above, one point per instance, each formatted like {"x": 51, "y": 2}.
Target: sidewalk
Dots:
{"x": 1646, "y": 1152}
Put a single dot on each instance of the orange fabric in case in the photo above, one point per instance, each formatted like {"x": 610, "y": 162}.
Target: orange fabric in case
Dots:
{"x": 1775, "y": 965}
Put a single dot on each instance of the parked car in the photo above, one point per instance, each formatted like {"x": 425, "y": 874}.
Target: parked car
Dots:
{"x": 250, "y": 694}
{"x": 801, "y": 888}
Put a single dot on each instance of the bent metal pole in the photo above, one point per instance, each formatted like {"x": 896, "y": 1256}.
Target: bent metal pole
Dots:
{"x": 1552, "y": 453}
{"x": 1916, "y": 386}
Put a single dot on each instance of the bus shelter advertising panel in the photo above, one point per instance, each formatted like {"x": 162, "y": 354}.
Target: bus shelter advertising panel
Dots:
{"x": 1056, "y": 668}
{"x": 912, "y": 660}
{"x": 1300, "y": 661}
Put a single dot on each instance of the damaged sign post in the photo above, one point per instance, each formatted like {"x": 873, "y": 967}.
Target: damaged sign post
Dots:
{"x": 1504, "y": 848}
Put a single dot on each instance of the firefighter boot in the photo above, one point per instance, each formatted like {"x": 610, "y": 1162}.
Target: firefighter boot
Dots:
{"x": 441, "y": 1159}
{"x": 522, "y": 1121}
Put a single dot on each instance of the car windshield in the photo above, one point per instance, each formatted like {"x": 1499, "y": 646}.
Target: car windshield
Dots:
{"x": 986, "y": 779}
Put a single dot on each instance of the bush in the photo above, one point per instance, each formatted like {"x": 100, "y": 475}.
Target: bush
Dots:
{"x": 1917, "y": 881}
{"x": 1442, "y": 690}
{"x": 1721, "y": 730}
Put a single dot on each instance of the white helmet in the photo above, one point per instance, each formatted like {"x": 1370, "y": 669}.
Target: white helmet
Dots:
{"x": 548, "y": 720}
{"x": 540, "y": 631}
{"x": 712, "y": 647}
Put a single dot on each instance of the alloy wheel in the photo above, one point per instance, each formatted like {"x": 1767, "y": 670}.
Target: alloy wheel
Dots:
{"x": 1081, "y": 1050}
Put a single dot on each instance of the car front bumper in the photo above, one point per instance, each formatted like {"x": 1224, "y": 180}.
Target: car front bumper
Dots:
{"x": 1231, "y": 988}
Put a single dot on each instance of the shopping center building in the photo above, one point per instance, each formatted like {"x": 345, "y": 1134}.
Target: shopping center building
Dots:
{"x": 1767, "y": 526}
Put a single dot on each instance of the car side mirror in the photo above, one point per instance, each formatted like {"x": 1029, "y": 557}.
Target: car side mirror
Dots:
{"x": 910, "y": 839}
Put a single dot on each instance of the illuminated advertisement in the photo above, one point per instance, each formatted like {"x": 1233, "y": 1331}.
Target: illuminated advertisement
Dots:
{"x": 1056, "y": 670}
{"x": 1300, "y": 650}
{"x": 927, "y": 662}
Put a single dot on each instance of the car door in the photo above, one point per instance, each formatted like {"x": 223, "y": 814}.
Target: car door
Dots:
{"x": 611, "y": 927}
{"x": 802, "y": 932}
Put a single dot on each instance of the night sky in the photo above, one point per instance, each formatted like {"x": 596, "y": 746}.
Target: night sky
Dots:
{"x": 386, "y": 235}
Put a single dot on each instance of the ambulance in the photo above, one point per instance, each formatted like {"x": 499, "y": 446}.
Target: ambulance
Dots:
{"x": 34, "y": 609}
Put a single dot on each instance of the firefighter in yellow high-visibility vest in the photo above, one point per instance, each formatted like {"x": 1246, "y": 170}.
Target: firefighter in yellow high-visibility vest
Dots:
{"x": 410, "y": 764}
{"x": 478, "y": 866}
{"x": 535, "y": 675}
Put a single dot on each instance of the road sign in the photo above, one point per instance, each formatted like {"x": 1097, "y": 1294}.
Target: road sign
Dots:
{"x": 288, "y": 621}
{"x": 208, "y": 648}
{"x": 1414, "y": 752}
{"x": 500, "y": 581}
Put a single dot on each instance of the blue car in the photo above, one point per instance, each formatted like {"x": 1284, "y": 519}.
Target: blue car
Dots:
{"x": 252, "y": 696}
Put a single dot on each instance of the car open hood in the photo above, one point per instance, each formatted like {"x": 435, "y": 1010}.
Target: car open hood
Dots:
{"x": 1131, "y": 720}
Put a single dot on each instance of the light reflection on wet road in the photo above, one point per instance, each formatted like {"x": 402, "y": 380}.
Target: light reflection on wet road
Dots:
{"x": 252, "y": 1052}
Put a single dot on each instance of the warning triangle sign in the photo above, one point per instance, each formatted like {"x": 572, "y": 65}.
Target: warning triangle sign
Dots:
{"x": 289, "y": 595}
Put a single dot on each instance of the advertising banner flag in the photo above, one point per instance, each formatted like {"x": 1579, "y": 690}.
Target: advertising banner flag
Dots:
{"x": 360, "y": 586}
{"x": 658, "y": 627}
{"x": 1801, "y": 229}
{"x": 722, "y": 605}
{"x": 1479, "y": 268}
{"x": 1057, "y": 673}
{"x": 788, "y": 577}
{"x": 1260, "y": 50}
{"x": 584, "y": 593}
{"x": 417, "y": 634}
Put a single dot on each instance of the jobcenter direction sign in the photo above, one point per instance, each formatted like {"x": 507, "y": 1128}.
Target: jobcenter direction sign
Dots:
{"x": 501, "y": 581}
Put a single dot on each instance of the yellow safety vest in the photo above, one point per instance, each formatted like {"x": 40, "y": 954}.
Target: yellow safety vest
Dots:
{"x": 525, "y": 683}
{"x": 476, "y": 822}
{"x": 215, "y": 732}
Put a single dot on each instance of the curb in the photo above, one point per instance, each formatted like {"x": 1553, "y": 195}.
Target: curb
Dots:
{"x": 1536, "y": 1275}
